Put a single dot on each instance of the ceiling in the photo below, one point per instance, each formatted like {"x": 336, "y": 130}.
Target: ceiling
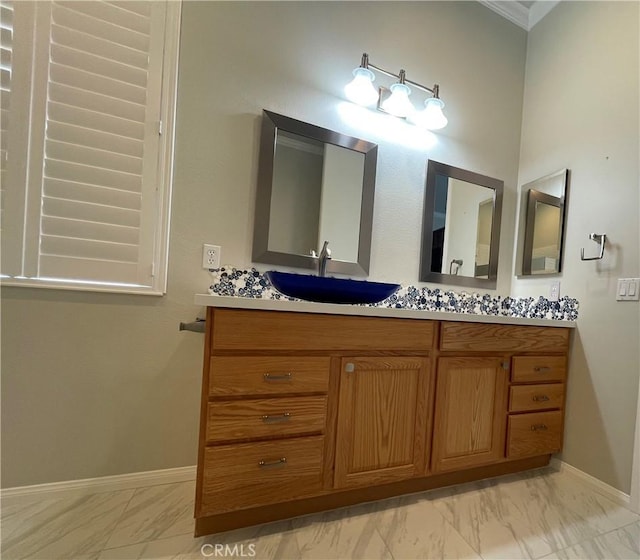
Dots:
{"x": 523, "y": 13}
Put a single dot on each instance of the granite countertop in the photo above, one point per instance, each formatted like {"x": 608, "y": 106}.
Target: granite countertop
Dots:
{"x": 368, "y": 311}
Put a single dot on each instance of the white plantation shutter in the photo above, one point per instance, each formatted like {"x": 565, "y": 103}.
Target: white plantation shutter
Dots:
{"x": 16, "y": 20}
{"x": 6, "y": 47}
{"x": 6, "y": 62}
{"x": 96, "y": 197}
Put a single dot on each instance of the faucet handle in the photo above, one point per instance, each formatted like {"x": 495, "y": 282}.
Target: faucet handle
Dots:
{"x": 313, "y": 254}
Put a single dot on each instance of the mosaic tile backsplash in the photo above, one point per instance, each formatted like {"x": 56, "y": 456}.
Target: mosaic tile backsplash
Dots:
{"x": 253, "y": 284}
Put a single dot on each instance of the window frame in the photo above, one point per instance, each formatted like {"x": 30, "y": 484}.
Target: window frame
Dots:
{"x": 164, "y": 171}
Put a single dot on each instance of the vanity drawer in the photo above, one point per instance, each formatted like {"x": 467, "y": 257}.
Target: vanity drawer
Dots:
{"x": 267, "y": 375}
{"x": 538, "y": 368}
{"x": 258, "y": 418}
{"x": 460, "y": 336}
{"x": 523, "y": 398}
{"x": 242, "y": 330}
{"x": 255, "y": 474}
{"x": 537, "y": 433}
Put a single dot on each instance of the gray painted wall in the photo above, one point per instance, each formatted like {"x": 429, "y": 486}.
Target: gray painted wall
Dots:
{"x": 104, "y": 384}
{"x": 581, "y": 112}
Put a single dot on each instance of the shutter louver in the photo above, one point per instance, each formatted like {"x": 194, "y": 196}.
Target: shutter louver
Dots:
{"x": 97, "y": 136}
{"x": 6, "y": 47}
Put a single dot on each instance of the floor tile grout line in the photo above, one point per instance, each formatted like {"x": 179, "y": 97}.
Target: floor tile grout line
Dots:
{"x": 133, "y": 495}
{"x": 578, "y": 480}
{"x": 609, "y": 532}
{"x": 117, "y": 522}
{"x": 584, "y": 518}
{"x": 575, "y": 511}
{"x": 384, "y": 542}
{"x": 147, "y": 541}
{"x": 460, "y": 534}
{"x": 598, "y": 536}
{"x": 73, "y": 503}
{"x": 446, "y": 522}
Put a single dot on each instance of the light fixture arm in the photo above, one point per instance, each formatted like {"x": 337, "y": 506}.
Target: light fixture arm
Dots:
{"x": 401, "y": 76}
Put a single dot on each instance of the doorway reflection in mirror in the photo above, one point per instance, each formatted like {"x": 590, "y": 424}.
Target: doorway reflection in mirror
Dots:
{"x": 461, "y": 227}
{"x": 316, "y": 195}
{"x": 314, "y": 184}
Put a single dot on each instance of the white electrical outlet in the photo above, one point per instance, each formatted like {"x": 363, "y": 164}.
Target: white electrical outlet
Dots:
{"x": 211, "y": 256}
{"x": 554, "y": 291}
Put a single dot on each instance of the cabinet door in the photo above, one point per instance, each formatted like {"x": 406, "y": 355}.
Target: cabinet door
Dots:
{"x": 470, "y": 413}
{"x": 383, "y": 420}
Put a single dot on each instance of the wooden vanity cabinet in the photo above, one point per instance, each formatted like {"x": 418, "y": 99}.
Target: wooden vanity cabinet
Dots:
{"x": 470, "y": 412}
{"x": 505, "y": 403}
{"x": 536, "y": 405}
{"x": 383, "y": 420}
{"x": 303, "y": 412}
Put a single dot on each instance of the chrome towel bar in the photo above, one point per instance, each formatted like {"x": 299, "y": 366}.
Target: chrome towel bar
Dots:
{"x": 600, "y": 238}
{"x": 199, "y": 325}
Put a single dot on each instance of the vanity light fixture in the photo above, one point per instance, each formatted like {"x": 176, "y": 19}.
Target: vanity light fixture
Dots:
{"x": 395, "y": 100}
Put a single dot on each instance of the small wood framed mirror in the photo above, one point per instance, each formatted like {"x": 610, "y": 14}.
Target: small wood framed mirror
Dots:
{"x": 460, "y": 227}
{"x": 542, "y": 225}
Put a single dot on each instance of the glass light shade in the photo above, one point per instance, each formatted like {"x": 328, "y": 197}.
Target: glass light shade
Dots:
{"x": 432, "y": 116}
{"x": 360, "y": 90}
{"x": 398, "y": 104}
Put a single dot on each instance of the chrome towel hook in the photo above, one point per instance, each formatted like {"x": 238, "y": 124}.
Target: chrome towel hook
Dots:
{"x": 601, "y": 239}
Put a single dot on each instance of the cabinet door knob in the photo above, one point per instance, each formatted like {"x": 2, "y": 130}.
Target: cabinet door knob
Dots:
{"x": 284, "y": 417}
{"x": 273, "y": 378}
{"x": 349, "y": 367}
{"x": 267, "y": 465}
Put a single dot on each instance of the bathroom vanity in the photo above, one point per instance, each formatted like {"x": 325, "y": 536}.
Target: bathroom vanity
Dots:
{"x": 307, "y": 407}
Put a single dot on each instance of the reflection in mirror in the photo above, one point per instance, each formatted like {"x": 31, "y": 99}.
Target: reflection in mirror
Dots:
{"x": 314, "y": 185}
{"x": 541, "y": 232}
{"x": 461, "y": 227}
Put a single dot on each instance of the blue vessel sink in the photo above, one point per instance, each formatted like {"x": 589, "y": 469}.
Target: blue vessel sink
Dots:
{"x": 329, "y": 290}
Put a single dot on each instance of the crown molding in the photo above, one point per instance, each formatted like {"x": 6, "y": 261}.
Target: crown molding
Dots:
{"x": 513, "y": 11}
{"x": 540, "y": 9}
{"x": 520, "y": 15}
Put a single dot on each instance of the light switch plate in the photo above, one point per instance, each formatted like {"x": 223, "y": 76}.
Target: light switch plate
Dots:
{"x": 628, "y": 289}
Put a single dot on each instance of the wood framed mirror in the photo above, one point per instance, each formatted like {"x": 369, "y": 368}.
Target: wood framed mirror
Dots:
{"x": 461, "y": 227}
{"x": 314, "y": 184}
{"x": 542, "y": 225}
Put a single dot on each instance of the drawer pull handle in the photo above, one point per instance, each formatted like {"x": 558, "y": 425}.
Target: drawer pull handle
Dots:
{"x": 541, "y": 369}
{"x": 273, "y": 378}
{"x": 540, "y": 398}
{"x": 284, "y": 417}
{"x": 279, "y": 463}
{"x": 537, "y": 427}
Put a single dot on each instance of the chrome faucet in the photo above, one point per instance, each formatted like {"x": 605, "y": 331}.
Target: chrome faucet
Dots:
{"x": 323, "y": 257}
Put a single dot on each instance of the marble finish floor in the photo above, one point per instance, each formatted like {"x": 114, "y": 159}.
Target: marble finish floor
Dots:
{"x": 541, "y": 514}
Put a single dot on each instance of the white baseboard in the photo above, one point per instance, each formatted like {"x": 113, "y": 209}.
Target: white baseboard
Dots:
{"x": 615, "y": 495}
{"x": 83, "y": 487}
